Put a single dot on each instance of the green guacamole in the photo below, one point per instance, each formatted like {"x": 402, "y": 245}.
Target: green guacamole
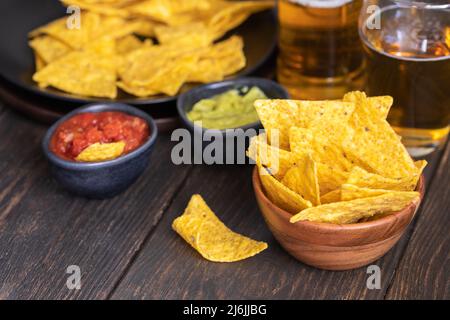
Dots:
{"x": 230, "y": 109}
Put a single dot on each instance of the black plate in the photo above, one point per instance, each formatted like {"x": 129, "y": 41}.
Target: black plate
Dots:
{"x": 17, "y": 63}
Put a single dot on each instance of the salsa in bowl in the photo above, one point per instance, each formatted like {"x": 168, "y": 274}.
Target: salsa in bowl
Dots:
{"x": 99, "y": 150}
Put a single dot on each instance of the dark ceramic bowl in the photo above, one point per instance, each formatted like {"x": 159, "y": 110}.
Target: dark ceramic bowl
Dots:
{"x": 231, "y": 146}
{"x": 107, "y": 178}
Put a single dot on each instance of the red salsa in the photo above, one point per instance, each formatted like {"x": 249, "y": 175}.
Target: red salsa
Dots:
{"x": 80, "y": 131}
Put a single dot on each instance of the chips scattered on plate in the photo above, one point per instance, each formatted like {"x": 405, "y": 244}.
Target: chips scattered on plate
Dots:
{"x": 203, "y": 230}
{"x": 157, "y": 45}
{"x": 334, "y": 161}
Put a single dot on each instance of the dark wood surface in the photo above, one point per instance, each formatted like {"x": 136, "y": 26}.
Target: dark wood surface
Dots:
{"x": 126, "y": 248}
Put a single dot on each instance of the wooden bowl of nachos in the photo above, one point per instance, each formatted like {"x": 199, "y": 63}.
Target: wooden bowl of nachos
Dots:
{"x": 335, "y": 246}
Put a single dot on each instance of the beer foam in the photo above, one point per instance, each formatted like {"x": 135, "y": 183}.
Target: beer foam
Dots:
{"x": 321, "y": 3}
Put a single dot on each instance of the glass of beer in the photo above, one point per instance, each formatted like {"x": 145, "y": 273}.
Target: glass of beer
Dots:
{"x": 407, "y": 46}
{"x": 320, "y": 54}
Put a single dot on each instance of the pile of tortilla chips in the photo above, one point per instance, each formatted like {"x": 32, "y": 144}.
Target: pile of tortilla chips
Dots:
{"x": 144, "y": 47}
{"x": 334, "y": 161}
{"x": 201, "y": 228}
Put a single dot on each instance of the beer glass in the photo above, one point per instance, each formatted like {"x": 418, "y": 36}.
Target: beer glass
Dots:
{"x": 407, "y": 48}
{"x": 320, "y": 54}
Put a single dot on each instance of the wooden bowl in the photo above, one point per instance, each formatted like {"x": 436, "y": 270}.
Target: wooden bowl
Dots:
{"x": 332, "y": 246}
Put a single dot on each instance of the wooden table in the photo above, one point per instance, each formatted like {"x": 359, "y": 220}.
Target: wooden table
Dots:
{"x": 126, "y": 249}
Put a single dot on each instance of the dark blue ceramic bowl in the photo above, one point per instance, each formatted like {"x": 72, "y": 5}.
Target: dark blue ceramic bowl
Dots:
{"x": 105, "y": 179}
{"x": 187, "y": 100}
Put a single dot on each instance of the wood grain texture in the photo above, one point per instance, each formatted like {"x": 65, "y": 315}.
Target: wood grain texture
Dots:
{"x": 168, "y": 268}
{"x": 43, "y": 229}
{"x": 424, "y": 270}
{"x": 126, "y": 248}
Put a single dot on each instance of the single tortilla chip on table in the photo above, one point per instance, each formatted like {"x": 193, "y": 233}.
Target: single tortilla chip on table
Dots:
{"x": 101, "y": 152}
{"x": 352, "y": 211}
{"x": 280, "y": 195}
{"x": 302, "y": 179}
{"x": 203, "y": 230}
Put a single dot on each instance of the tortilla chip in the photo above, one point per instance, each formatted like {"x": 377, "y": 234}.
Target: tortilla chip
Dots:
{"x": 302, "y": 179}
{"x": 82, "y": 73}
{"x": 277, "y": 161}
{"x": 280, "y": 195}
{"x": 330, "y": 197}
{"x": 101, "y": 152}
{"x": 232, "y": 14}
{"x": 323, "y": 149}
{"x": 374, "y": 143}
{"x": 187, "y": 34}
{"x": 106, "y": 8}
{"x": 325, "y": 117}
{"x": 382, "y": 104}
{"x": 201, "y": 228}
{"x": 351, "y": 192}
{"x": 39, "y": 63}
{"x": 330, "y": 178}
{"x": 49, "y": 48}
{"x": 277, "y": 116}
{"x": 127, "y": 44}
{"x": 207, "y": 70}
{"x": 92, "y": 27}
{"x": 361, "y": 178}
{"x": 355, "y": 210}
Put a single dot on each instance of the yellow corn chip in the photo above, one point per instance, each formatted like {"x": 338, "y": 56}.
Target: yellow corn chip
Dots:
{"x": 381, "y": 104}
{"x": 330, "y": 197}
{"x": 49, "y": 48}
{"x": 330, "y": 178}
{"x": 201, "y": 228}
{"x": 323, "y": 150}
{"x": 207, "y": 70}
{"x": 280, "y": 195}
{"x": 101, "y": 152}
{"x": 277, "y": 116}
{"x": 39, "y": 63}
{"x": 187, "y": 34}
{"x": 105, "y": 8}
{"x": 355, "y": 210}
{"x": 278, "y": 161}
{"x": 138, "y": 91}
{"x": 326, "y": 117}
{"x": 127, "y": 44}
{"x": 92, "y": 27}
{"x": 302, "y": 179}
{"x": 361, "y": 178}
{"x": 351, "y": 192}
{"x": 374, "y": 142}
{"x": 82, "y": 73}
